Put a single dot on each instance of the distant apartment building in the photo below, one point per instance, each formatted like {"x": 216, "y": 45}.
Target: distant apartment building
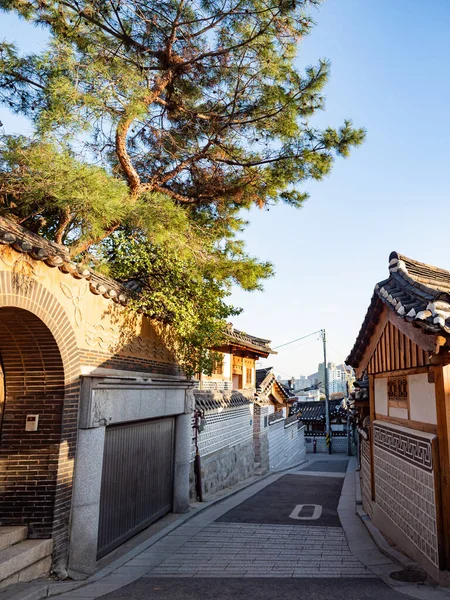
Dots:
{"x": 338, "y": 376}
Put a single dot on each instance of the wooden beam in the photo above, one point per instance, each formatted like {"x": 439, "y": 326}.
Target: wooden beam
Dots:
{"x": 425, "y": 341}
{"x": 370, "y": 348}
{"x": 400, "y": 372}
{"x": 442, "y": 387}
{"x": 418, "y": 425}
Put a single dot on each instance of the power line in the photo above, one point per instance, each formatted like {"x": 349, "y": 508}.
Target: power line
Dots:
{"x": 298, "y": 339}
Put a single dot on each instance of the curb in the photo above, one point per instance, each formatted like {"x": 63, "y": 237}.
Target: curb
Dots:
{"x": 380, "y": 541}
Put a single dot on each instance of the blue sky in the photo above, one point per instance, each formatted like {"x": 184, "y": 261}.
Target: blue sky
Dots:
{"x": 390, "y": 74}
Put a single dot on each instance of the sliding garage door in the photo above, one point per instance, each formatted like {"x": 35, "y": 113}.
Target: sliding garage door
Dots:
{"x": 137, "y": 479}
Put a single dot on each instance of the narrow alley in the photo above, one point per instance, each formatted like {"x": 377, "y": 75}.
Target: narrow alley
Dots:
{"x": 279, "y": 538}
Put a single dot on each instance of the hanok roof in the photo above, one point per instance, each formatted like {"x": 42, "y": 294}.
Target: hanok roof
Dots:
{"x": 418, "y": 293}
{"x": 55, "y": 255}
{"x": 265, "y": 380}
{"x": 315, "y": 410}
{"x": 262, "y": 374}
{"x": 247, "y": 341}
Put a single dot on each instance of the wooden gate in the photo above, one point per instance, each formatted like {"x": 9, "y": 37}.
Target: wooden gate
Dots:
{"x": 137, "y": 479}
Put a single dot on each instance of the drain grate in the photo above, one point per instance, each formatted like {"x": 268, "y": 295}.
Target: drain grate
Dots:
{"x": 409, "y": 575}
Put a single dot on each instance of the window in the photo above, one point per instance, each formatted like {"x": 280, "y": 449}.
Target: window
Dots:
{"x": 218, "y": 367}
{"x": 249, "y": 375}
{"x": 398, "y": 392}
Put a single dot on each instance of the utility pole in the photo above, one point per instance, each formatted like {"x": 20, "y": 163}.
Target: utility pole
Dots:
{"x": 327, "y": 392}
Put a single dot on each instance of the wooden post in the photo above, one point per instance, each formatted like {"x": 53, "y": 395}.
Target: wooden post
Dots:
{"x": 372, "y": 419}
{"x": 442, "y": 387}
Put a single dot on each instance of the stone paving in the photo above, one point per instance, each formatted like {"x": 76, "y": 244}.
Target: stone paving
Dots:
{"x": 207, "y": 546}
{"x": 249, "y": 550}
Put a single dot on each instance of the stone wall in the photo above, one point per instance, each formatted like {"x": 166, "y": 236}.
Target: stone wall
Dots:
{"x": 224, "y": 468}
{"x": 286, "y": 444}
{"x": 405, "y": 503}
{"x": 226, "y": 449}
{"x": 239, "y": 442}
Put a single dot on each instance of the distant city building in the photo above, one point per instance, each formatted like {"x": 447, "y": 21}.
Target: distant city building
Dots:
{"x": 338, "y": 376}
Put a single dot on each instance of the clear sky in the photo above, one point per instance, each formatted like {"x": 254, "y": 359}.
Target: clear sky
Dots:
{"x": 391, "y": 75}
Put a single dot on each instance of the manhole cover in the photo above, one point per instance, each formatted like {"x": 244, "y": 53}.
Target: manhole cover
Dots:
{"x": 409, "y": 575}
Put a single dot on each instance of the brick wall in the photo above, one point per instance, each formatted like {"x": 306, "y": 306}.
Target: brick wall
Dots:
{"x": 34, "y": 378}
{"x": 127, "y": 363}
{"x": 42, "y": 366}
{"x": 41, "y": 371}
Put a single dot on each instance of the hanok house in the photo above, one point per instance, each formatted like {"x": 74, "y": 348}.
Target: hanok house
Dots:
{"x": 236, "y": 370}
{"x": 95, "y": 429}
{"x": 404, "y": 349}
{"x": 313, "y": 416}
{"x": 271, "y": 390}
{"x": 226, "y": 401}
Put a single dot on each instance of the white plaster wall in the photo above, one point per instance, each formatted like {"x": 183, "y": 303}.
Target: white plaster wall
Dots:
{"x": 381, "y": 396}
{"x": 227, "y": 366}
{"x": 422, "y": 399}
{"x": 400, "y": 413}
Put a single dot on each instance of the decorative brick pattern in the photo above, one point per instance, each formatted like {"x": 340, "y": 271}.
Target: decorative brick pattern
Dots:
{"x": 286, "y": 445}
{"x": 225, "y": 428}
{"x": 412, "y": 448}
{"x": 404, "y": 488}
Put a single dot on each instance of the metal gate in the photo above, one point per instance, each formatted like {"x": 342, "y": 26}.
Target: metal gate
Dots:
{"x": 137, "y": 480}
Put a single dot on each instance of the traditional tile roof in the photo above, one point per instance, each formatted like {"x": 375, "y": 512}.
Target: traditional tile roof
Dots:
{"x": 57, "y": 256}
{"x": 54, "y": 255}
{"x": 287, "y": 391}
{"x": 315, "y": 410}
{"x": 245, "y": 340}
{"x": 265, "y": 380}
{"x": 416, "y": 292}
{"x": 261, "y": 374}
{"x": 209, "y": 400}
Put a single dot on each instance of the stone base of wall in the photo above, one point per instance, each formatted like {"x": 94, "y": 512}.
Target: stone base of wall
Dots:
{"x": 224, "y": 468}
{"x": 261, "y": 445}
{"x": 391, "y": 531}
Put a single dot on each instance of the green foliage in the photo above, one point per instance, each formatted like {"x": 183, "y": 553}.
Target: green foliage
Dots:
{"x": 156, "y": 124}
{"x": 45, "y": 186}
{"x": 196, "y": 312}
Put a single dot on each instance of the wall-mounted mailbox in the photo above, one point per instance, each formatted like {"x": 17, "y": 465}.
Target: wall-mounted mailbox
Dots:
{"x": 31, "y": 422}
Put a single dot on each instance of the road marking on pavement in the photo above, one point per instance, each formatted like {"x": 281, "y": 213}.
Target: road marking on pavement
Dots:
{"x": 317, "y": 513}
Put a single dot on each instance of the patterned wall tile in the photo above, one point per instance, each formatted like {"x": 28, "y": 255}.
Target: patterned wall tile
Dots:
{"x": 404, "y": 486}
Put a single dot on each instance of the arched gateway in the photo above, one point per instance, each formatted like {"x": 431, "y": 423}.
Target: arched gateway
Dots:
{"x": 77, "y": 375}
{"x": 38, "y": 418}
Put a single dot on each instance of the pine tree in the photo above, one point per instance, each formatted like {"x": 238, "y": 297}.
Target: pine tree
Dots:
{"x": 165, "y": 119}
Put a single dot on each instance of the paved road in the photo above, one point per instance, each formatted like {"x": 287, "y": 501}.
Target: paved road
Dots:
{"x": 289, "y": 537}
{"x": 256, "y": 589}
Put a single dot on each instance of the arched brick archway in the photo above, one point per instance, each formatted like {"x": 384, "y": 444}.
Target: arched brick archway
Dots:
{"x": 34, "y": 385}
{"x": 41, "y": 369}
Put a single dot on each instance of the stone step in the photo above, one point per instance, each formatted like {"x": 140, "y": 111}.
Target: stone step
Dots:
{"x": 25, "y": 561}
{"x": 10, "y": 535}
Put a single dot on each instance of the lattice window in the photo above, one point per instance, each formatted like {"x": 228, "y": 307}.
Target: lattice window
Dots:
{"x": 249, "y": 375}
{"x": 218, "y": 367}
{"x": 398, "y": 392}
